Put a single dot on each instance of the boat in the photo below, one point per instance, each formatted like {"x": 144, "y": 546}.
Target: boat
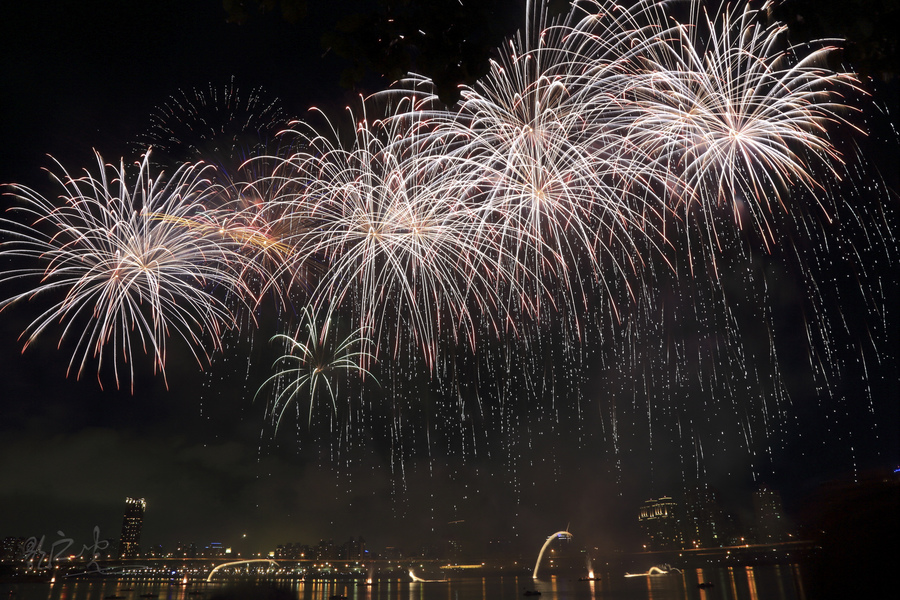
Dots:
{"x": 532, "y": 593}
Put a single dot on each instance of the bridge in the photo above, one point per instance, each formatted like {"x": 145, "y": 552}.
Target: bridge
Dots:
{"x": 239, "y": 562}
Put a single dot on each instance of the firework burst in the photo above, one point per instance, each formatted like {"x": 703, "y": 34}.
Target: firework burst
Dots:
{"x": 403, "y": 249}
{"x": 543, "y": 230}
{"x": 313, "y": 358}
{"x": 220, "y": 124}
{"x": 129, "y": 272}
{"x": 559, "y": 193}
{"x": 738, "y": 115}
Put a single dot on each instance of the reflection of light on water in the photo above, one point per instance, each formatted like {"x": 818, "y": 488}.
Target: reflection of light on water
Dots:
{"x": 751, "y": 583}
{"x": 417, "y": 579}
{"x": 656, "y": 571}
{"x": 778, "y": 577}
{"x": 798, "y": 581}
{"x": 701, "y": 579}
{"x": 766, "y": 582}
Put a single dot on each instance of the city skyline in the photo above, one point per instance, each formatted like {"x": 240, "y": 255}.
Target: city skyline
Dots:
{"x": 691, "y": 519}
{"x": 515, "y": 438}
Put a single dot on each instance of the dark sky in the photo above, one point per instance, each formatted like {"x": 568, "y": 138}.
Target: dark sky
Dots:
{"x": 596, "y": 441}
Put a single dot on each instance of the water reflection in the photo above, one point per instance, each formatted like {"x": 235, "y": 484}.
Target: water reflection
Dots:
{"x": 594, "y": 585}
{"x": 736, "y": 583}
{"x": 751, "y": 583}
{"x": 732, "y": 583}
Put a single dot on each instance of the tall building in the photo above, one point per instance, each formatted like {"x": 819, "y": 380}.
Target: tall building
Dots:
{"x": 215, "y": 550}
{"x": 293, "y": 550}
{"x": 659, "y": 522}
{"x": 132, "y": 523}
{"x": 11, "y": 549}
{"x": 354, "y": 549}
{"x": 771, "y": 525}
{"x": 185, "y": 550}
{"x": 326, "y": 550}
{"x": 705, "y": 525}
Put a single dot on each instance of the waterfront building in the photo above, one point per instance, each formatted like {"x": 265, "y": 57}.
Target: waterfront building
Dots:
{"x": 294, "y": 551}
{"x": 215, "y": 550}
{"x": 354, "y": 549}
{"x": 326, "y": 550}
{"x": 12, "y": 549}
{"x": 185, "y": 550}
{"x": 771, "y": 524}
{"x": 288, "y": 550}
{"x": 660, "y": 524}
{"x": 132, "y": 523}
{"x": 705, "y": 524}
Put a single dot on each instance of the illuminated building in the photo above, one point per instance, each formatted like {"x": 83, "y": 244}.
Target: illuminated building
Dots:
{"x": 325, "y": 550}
{"x": 132, "y": 523}
{"x": 184, "y": 550}
{"x": 659, "y": 523}
{"x": 293, "y": 551}
{"x": 771, "y": 525}
{"x": 214, "y": 550}
{"x": 705, "y": 524}
{"x": 354, "y": 549}
{"x": 11, "y": 549}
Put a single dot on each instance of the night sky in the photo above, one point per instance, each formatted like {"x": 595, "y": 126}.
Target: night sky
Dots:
{"x": 515, "y": 448}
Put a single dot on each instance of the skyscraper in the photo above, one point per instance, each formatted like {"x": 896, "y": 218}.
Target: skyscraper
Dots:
{"x": 771, "y": 526}
{"x": 705, "y": 523}
{"x": 132, "y": 522}
{"x": 659, "y": 522}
